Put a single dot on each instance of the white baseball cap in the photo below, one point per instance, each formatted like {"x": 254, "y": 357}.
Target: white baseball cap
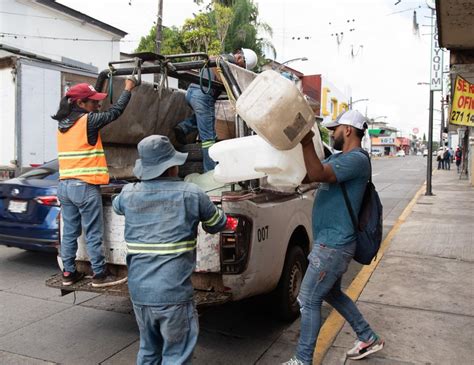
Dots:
{"x": 348, "y": 117}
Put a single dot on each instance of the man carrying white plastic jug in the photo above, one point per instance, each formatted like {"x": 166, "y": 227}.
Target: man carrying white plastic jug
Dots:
{"x": 334, "y": 237}
{"x": 203, "y": 105}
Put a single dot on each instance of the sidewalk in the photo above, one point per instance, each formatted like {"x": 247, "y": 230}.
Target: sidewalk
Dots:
{"x": 420, "y": 298}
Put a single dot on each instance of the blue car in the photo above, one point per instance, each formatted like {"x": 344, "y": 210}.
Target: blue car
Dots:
{"x": 29, "y": 209}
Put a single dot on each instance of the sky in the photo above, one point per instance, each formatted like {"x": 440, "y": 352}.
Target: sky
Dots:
{"x": 381, "y": 59}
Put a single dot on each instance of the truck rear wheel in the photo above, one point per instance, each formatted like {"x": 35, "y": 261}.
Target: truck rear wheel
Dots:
{"x": 290, "y": 283}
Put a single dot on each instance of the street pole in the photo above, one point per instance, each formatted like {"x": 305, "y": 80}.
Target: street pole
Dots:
{"x": 429, "y": 169}
{"x": 441, "y": 141}
{"x": 159, "y": 36}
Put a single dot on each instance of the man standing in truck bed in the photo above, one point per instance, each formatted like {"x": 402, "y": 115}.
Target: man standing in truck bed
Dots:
{"x": 334, "y": 241}
{"x": 203, "y": 105}
{"x": 162, "y": 214}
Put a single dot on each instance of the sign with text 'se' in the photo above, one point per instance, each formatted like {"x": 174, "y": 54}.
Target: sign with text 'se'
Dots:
{"x": 436, "y": 79}
{"x": 462, "y": 106}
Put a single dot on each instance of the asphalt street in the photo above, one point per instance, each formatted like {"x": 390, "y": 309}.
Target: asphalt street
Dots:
{"x": 37, "y": 326}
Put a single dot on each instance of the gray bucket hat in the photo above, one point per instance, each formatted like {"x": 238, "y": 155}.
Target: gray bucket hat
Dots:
{"x": 157, "y": 154}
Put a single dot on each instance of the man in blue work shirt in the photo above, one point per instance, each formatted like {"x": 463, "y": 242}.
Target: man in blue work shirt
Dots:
{"x": 334, "y": 241}
{"x": 162, "y": 215}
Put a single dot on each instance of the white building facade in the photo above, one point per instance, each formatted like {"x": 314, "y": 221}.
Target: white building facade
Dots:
{"x": 55, "y": 31}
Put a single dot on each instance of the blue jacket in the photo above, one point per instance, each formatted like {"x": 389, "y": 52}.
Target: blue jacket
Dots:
{"x": 161, "y": 222}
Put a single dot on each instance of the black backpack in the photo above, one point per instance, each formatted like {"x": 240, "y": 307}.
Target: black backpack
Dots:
{"x": 369, "y": 225}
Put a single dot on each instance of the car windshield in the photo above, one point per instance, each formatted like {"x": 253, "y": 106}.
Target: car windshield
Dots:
{"x": 48, "y": 171}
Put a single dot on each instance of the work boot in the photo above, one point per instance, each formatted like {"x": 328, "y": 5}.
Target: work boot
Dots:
{"x": 70, "y": 278}
{"x": 106, "y": 279}
{"x": 363, "y": 349}
{"x": 180, "y": 135}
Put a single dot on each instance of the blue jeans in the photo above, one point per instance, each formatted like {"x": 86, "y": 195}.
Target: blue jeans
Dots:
{"x": 203, "y": 121}
{"x": 168, "y": 333}
{"x": 81, "y": 207}
{"x": 323, "y": 281}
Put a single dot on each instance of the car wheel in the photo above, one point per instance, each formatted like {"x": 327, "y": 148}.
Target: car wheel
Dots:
{"x": 290, "y": 283}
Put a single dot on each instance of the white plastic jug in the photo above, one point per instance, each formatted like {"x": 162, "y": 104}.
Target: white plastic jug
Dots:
{"x": 276, "y": 110}
{"x": 286, "y": 168}
{"x": 236, "y": 159}
{"x": 253, "y": 158}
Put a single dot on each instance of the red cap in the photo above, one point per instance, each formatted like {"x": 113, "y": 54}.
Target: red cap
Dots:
{"x": 84, "y": 91}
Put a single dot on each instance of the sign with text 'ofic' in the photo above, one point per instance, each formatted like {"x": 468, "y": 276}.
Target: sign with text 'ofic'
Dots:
{"x": 462, "y": 107}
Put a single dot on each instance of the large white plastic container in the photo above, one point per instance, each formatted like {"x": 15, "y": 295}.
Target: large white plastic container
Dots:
{"x": 236, "y": 159}
{"x": 276, "y": 110}
{"x": 253, "y": 158}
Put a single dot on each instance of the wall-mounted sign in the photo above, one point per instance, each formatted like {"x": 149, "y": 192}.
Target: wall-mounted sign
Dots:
{"x": 462, "y": 106}
{"x": 387, "y": 140}
{"x": 436, "y": 79}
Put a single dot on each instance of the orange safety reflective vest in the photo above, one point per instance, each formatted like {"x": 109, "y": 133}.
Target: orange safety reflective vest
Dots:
{"x": 78, "y": 159}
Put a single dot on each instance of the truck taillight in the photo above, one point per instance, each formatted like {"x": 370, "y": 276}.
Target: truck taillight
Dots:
{"x": 235, "y": 244}
{"x": 48, "y": 200}
{"x": 232, "y": 223}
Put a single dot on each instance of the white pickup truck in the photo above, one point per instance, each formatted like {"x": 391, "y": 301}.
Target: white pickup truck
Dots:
{"x": 263, "y": 251}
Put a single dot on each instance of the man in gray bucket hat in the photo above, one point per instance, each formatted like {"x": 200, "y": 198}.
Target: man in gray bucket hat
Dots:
{"x": 162, "y": 214}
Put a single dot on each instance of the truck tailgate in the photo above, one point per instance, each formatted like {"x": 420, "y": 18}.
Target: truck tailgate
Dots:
{"x": 202, "y": 298}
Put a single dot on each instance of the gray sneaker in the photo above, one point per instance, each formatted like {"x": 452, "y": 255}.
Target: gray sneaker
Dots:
{"x": 363, "y": 349}
{"x": 106, "y": 279}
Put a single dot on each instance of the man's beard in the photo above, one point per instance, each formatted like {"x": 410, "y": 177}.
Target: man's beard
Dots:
{"x": 338, "y": 143}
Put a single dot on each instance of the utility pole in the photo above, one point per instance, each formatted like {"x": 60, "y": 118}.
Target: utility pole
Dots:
{"x": 429, "y": 168}
{"x": 159, "y": 34}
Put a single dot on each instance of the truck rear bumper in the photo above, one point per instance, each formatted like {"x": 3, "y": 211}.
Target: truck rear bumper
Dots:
{"x": 202, "y": 298}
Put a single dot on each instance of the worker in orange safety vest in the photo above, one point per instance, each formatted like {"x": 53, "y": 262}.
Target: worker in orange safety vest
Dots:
{"x": 82, "y": 169}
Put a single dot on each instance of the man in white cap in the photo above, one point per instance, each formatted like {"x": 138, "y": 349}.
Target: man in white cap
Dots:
{"x": 162, "y": 214}
{"x": 203, "y": 105}
{"x": 334, "y": 238}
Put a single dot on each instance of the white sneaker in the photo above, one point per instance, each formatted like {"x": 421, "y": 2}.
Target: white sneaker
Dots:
{"x": 363, "y": 349}
{"x": 293, "y": 361}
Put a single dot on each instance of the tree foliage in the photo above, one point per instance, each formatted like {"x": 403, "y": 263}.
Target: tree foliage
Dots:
{"x": 172, "y": 42}
{"x": 221, "y": 26}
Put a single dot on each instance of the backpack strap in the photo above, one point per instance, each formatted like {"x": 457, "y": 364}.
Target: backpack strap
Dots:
{"x": 346, "y": 197}
{"x": 348, "y": 205}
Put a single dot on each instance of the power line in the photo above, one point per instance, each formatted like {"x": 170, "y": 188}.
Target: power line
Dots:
{"x": 25, "y": 36}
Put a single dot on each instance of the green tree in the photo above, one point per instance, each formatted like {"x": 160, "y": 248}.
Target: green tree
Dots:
{"x": 223, "y": 16}
{"x": 221, "y": 26}
{"x": 172, "y": 42}
{"x": 245, "y": 27}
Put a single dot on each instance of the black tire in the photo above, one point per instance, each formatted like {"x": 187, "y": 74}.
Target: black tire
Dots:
{"x": 193, "y": 150}
{"x": 289, "y": 285}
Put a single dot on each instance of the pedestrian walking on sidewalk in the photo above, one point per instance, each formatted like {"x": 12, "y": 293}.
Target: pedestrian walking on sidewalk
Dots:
{"x": 162, "y": 214}
{"x": 334, "y": 241}
{"x": 203, "y": 105}
{"x": 458, "y": 158}
{"x": 82, "y": 169}
{"x": 440, "y": 158}
{"x": 447, "y": 159}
